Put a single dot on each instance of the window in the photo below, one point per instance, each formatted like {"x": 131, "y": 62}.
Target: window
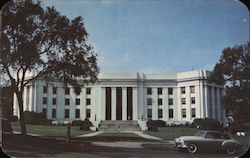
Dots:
{"x": 192, "y": 90}
{"x": 149, "y": 101}
{"x": 54, "y": 90}
{"x": 183, "y": 91}
{"x": 77, "y": 113}
{"x": 159, "y": 101}
{"x": 192, "y": 100}
{"x": 44, "y": 100}
{"x": 45, "y": 111}
{"x": 149, "y": 91}
{"x": 66, "y": 114}
{"x": 77, "y": 101}
{"x": 193, "y": 112}
{"x": 170, "y": 91}
{"x": 149, "y": 113}
{"x": 87, "y": 113}
{"x": 183, "y": 100}
{"x": 159, "y": 90}
{"x": 67, "y": 90}
{"x": 159, "y": 113}
{"x": 66, "y": 101}
{"x": 170, "y": 101}
{"x": 184, "y": 115}
{"x": 170, "y": 113}
{"x": 45, "y": 89}
{"x": 53, "y": 101}
{"x": 53, "y": 113}
{"x": 88, "y": 91}
{"x": 88, "y": 101}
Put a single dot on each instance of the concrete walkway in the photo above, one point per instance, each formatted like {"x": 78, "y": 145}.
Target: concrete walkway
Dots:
{"x": 146, "y": 136}
{"x": 91, "y": 134}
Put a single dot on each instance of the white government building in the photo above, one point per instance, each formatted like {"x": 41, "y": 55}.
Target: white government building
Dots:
{"x": 172, "y": 97}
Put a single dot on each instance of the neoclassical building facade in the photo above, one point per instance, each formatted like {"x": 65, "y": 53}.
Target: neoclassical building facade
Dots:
{"x": 172, "y": 97}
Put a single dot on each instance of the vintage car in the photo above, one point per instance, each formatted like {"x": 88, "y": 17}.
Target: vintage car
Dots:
{"x": 208, "y": 140}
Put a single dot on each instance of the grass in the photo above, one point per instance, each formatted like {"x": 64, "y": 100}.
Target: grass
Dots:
{"x": 170, "y": 133}
{"x": 50, "y": 130}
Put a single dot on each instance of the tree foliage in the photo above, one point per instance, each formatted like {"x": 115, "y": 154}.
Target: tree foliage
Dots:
{"x": 39, "y": 40}
{"x": 233, "y": 71}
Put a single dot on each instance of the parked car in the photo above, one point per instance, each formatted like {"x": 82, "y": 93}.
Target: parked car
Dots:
{"x": 208, "y": 140}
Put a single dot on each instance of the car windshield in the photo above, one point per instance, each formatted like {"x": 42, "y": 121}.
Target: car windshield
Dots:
{"x": 200, "y": 134}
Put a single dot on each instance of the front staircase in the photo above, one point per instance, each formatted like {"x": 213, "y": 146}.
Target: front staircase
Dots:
{"x": 119, "y": 126}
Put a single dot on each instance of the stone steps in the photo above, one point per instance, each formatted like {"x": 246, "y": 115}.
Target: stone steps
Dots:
{"x": 119, "y": 126}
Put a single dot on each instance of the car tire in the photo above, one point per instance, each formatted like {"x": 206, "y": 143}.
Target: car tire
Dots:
{"x": 230, "y": 151}
{"x": 192, "y": 148}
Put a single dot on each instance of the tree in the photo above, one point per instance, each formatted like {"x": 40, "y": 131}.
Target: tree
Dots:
{"x": 233, "y": 71}
{"x": 43, "y": 42}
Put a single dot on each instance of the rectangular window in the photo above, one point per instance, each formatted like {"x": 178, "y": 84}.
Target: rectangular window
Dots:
{"x": 88, "y": 91}
{"x": 159, "y": 90}
{"x": 44, "y": 100}
{"x": 183, "y": 90}
{"x": 192, "y": 100}
{"x": 149, "y": 101}
{"x": 66, "y": 114}
{"x": 77, "y": 113}
{"x": 149, "y": 113}
{"x": 183, "y": 101}
{"x": 149, "y": 91}
{"x": 54, "y": 90}
{"x": 53, "y": 113}
{"x": 77, "y": 101}
{"x": 193, "y": 112}
{"x": 66, "y": 101}
{"x": 170, "y": 101}
{"x": 170, "y": 91}
{"x": 192, "y": 90}
{"x": 159, "y": 113}
{"x": 67, "y": 90}
{"x": 87, "y": 113}
{"x": 45, "y": 89}
{"x": 53, "y": 101}
{"x": 159, "y": 101}
{"x": 88, "y": 101}
{"x": 184, "y": 115}
{"x": 171, "y": 113}
{"x": 44, "y": 110}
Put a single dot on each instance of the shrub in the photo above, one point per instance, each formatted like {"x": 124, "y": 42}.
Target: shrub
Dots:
{"x": 207, "y": 124}
{"x": 85, "y": 125}
{"x": 77, "y": 123}
{"x": 36, "y": 118}
{"x": 154, "y": 124}
{"x": 13, "y": 119}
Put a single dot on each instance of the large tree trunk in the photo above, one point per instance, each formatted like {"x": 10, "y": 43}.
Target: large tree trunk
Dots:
{"x": 22, "y": 117}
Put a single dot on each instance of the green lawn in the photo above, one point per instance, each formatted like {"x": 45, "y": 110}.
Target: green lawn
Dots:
{"x": 170, "y": 133}
{"x": 50, "y": 130}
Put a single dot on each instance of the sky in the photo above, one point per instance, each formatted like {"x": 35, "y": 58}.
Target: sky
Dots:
{"x": 159, "y": 36}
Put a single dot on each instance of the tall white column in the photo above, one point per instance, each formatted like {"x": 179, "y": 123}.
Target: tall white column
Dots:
{"x": 124, "y": 103}
{"x": 103, "y": 103}
{"x": 218, "y": 105}
{"x": 213, "y": 102}
{"x": 25, "y": 107}
{"x": 113, "y": 103}
{"x": 165, "y": 104}
{"x": 154, "y": 104}
{"x": 135, "y": 103}
{"x": 31, "y": 98}
{"x": 206, "y": 101}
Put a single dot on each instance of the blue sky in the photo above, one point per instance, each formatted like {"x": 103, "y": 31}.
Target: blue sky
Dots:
{"x": 157, "y": 36}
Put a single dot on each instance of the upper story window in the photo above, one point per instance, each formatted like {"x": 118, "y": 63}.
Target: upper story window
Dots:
{"x": 54, "y": 90}
{"x": 193, "y": 112}
{"x": 88, "y": 101}
{"x": 159, "y": 113}
{"x": 67, "y": 101}
{"x": 192, "y": 100}
{"x": 183, "y": 100}
{"x": 170, "y": 101}
{"x": 183, "y": 90}
{"x": 192, "y": 89}
{"x": 67, "y": 90}
{"x": 149, "y": 91}
{"x": 53, "y": 101}
{"x": 77, "y": 101}
{"x": 45, "y": 89}
{"x": 44, "y": 100}
{"x": 88, "y": 91}
{"x": 159, "y": 90}
{"x": 149, "y": 101}
{"x": 170, "y": 91}
{"x": 184, "y": 115}
{"x": 159, "y": 101}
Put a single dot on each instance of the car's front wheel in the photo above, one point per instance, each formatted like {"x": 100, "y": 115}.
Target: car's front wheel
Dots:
{"x": 192, "y": 148}
{"x": 231, "y": 151}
